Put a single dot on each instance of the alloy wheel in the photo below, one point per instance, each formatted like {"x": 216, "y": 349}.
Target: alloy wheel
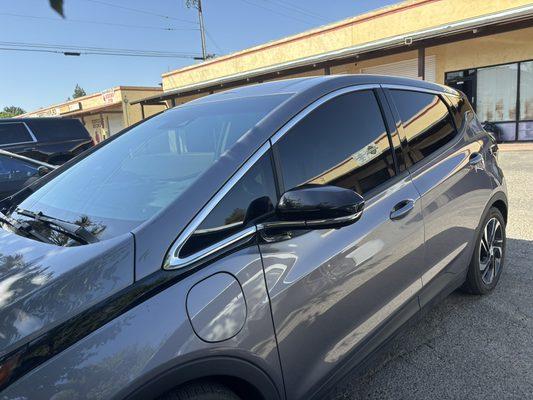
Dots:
{"x": 491, "y": 250}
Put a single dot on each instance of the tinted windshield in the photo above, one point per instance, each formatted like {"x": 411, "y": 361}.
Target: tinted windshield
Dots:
{"x": 134, "y": 176}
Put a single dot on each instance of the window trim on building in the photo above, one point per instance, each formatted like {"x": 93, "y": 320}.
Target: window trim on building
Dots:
{"x": 517, "y": 120}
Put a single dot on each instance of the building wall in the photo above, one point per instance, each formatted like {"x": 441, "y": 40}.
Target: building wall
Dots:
{"x": 91, "y": 106}
{"x": 399, "y": 19}
{"x": 484, "y": 51}
{"x": 480, "y": 52}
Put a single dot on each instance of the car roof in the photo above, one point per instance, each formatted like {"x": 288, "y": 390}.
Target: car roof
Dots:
{"x": 299, "y": 86}
{"x": 40, "y": 119}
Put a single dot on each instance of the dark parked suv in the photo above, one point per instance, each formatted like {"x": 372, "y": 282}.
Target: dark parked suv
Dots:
{"x": 253, "y": 244}
{"x": 52, "y": 140}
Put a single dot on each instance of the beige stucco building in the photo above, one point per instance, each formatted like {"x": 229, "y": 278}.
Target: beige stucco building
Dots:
{"x": 107, "y": 112}
{"x": 483, "y": 47}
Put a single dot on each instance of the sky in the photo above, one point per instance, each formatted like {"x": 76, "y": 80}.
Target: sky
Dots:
{"x": 34, "y": 79}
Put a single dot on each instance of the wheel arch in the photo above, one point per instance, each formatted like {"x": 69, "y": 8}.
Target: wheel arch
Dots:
{"x": 239, "y": 375}
{"x": 502, "y": 206}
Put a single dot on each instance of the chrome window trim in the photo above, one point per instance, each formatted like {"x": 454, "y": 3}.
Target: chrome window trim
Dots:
{"x": 416, "y": 89}
{"x": 172, "y": 260}
{"x": 32, "y": 135}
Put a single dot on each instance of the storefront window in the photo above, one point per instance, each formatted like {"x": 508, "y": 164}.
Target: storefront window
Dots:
{"x": 506, "y": 131}
{"x": 525, "y": 130}
{"x": 496, "y": 92}
{"x": 525, "y": 127}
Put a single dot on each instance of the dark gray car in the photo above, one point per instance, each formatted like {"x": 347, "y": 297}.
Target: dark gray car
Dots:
{"x": 253, "y": 244}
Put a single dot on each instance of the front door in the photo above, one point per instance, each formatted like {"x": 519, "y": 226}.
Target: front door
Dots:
{"x": 333, "y": 290}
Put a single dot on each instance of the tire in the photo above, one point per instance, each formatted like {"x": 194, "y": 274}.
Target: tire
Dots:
{"x": 201, "y": 391}
{"x": 489, "y": 254}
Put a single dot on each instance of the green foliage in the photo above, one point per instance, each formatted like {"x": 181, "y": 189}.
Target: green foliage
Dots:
{"x": 78, "y": 92}
{"x": 11, "y": 111}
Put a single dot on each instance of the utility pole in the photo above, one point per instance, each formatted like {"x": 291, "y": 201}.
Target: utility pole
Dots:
{"x": 198, "y": 5}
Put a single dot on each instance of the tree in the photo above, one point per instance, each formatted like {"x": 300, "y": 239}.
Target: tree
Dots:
{"x": 78, "y": 92}
{"x": 11, "y": 111}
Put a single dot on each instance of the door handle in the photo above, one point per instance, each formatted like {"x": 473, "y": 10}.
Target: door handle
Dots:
{"x": 475, "y": 159}
{"x": 401, "y": 209}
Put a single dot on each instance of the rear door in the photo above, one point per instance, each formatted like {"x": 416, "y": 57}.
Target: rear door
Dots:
{"x": 17, "y": 138}
{"x": 446, "y": 163}
{"x": 334, "y": 290}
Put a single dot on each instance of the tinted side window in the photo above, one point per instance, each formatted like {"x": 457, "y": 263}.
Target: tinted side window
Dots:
{"x": 12, "y": 169}
{"x": 343, "y": 142}
{"x": 14, "y": 132}
{"x": 55, "y": 130}
{"x": 250, "y": 201}
{"x": 426, "y": 122}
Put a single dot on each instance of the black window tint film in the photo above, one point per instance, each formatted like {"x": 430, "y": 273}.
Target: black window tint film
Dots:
{"x": 343, "y": 142}
{"x": 426, "y": 122}
{"x": 14, "y": 132}
{"x": 250, "y": 201}
{"x": 50, "y": 130}
{"x": 14, "y": 169}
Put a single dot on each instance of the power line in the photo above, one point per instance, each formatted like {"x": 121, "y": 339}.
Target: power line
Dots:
{"x": 74, "y": 50}
{"x": 141, "y": 11}
{"x": 79, "y": 53}
{"x": 86, "y": 21}
{"x": 214, "y": 42}
{"x": 294, "y": 8}
{"x": 277, "y": 12}
{"x": 73, "y": 47}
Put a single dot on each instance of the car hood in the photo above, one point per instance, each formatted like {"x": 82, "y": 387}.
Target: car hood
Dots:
{"x": 42, "y": 285}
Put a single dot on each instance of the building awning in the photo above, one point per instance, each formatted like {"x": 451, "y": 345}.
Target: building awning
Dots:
{"x": 517, "y": 18}
{"x": 94, "y": 110}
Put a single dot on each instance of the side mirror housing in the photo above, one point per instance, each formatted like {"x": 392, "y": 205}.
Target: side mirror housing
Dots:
{"x": 318, "y": 206}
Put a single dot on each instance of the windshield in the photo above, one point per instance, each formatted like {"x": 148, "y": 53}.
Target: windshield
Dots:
{"x": 139, "y": 173}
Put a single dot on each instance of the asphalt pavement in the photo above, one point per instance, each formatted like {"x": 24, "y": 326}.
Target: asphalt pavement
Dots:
{"x": 469, "y": 347}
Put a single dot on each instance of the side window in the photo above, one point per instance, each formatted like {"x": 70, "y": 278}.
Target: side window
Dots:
{"x": 12, "y": 169}
{"x": 14, "y": 132}
{"x": 250, "y": 201}
{"x": 427, "y": 124}
{"x": 343, "y": 143}
{"x": 464, "y": 114}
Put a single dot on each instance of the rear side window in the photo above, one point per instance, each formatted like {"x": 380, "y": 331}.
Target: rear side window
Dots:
{"x": 51, "y": 130}
{"x": 14, "y": 132}
{"x": 343, "y": 143}
{"x": 427, "y": 124}
{"x": 12, "y": 169}
{"x": 250, "y": 201}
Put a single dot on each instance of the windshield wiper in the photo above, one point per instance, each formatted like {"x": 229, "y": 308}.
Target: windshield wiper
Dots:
{"x": 71, "y": 229}
{"x": 23, "y": 228}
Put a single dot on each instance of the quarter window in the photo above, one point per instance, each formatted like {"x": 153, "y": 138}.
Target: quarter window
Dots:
{"x": 250, "y": 201}
{"x": 343, "y": 142}
{"x": 427, "y": 124}
{"x": 14, "y": 132}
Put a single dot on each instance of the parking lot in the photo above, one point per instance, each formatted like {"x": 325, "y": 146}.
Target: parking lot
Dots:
{"x": 469, "y": 347}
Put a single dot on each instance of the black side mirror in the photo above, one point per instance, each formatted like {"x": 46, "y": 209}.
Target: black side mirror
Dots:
{"x": 42, "y": 170}
{"x": 318, "y": 206}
